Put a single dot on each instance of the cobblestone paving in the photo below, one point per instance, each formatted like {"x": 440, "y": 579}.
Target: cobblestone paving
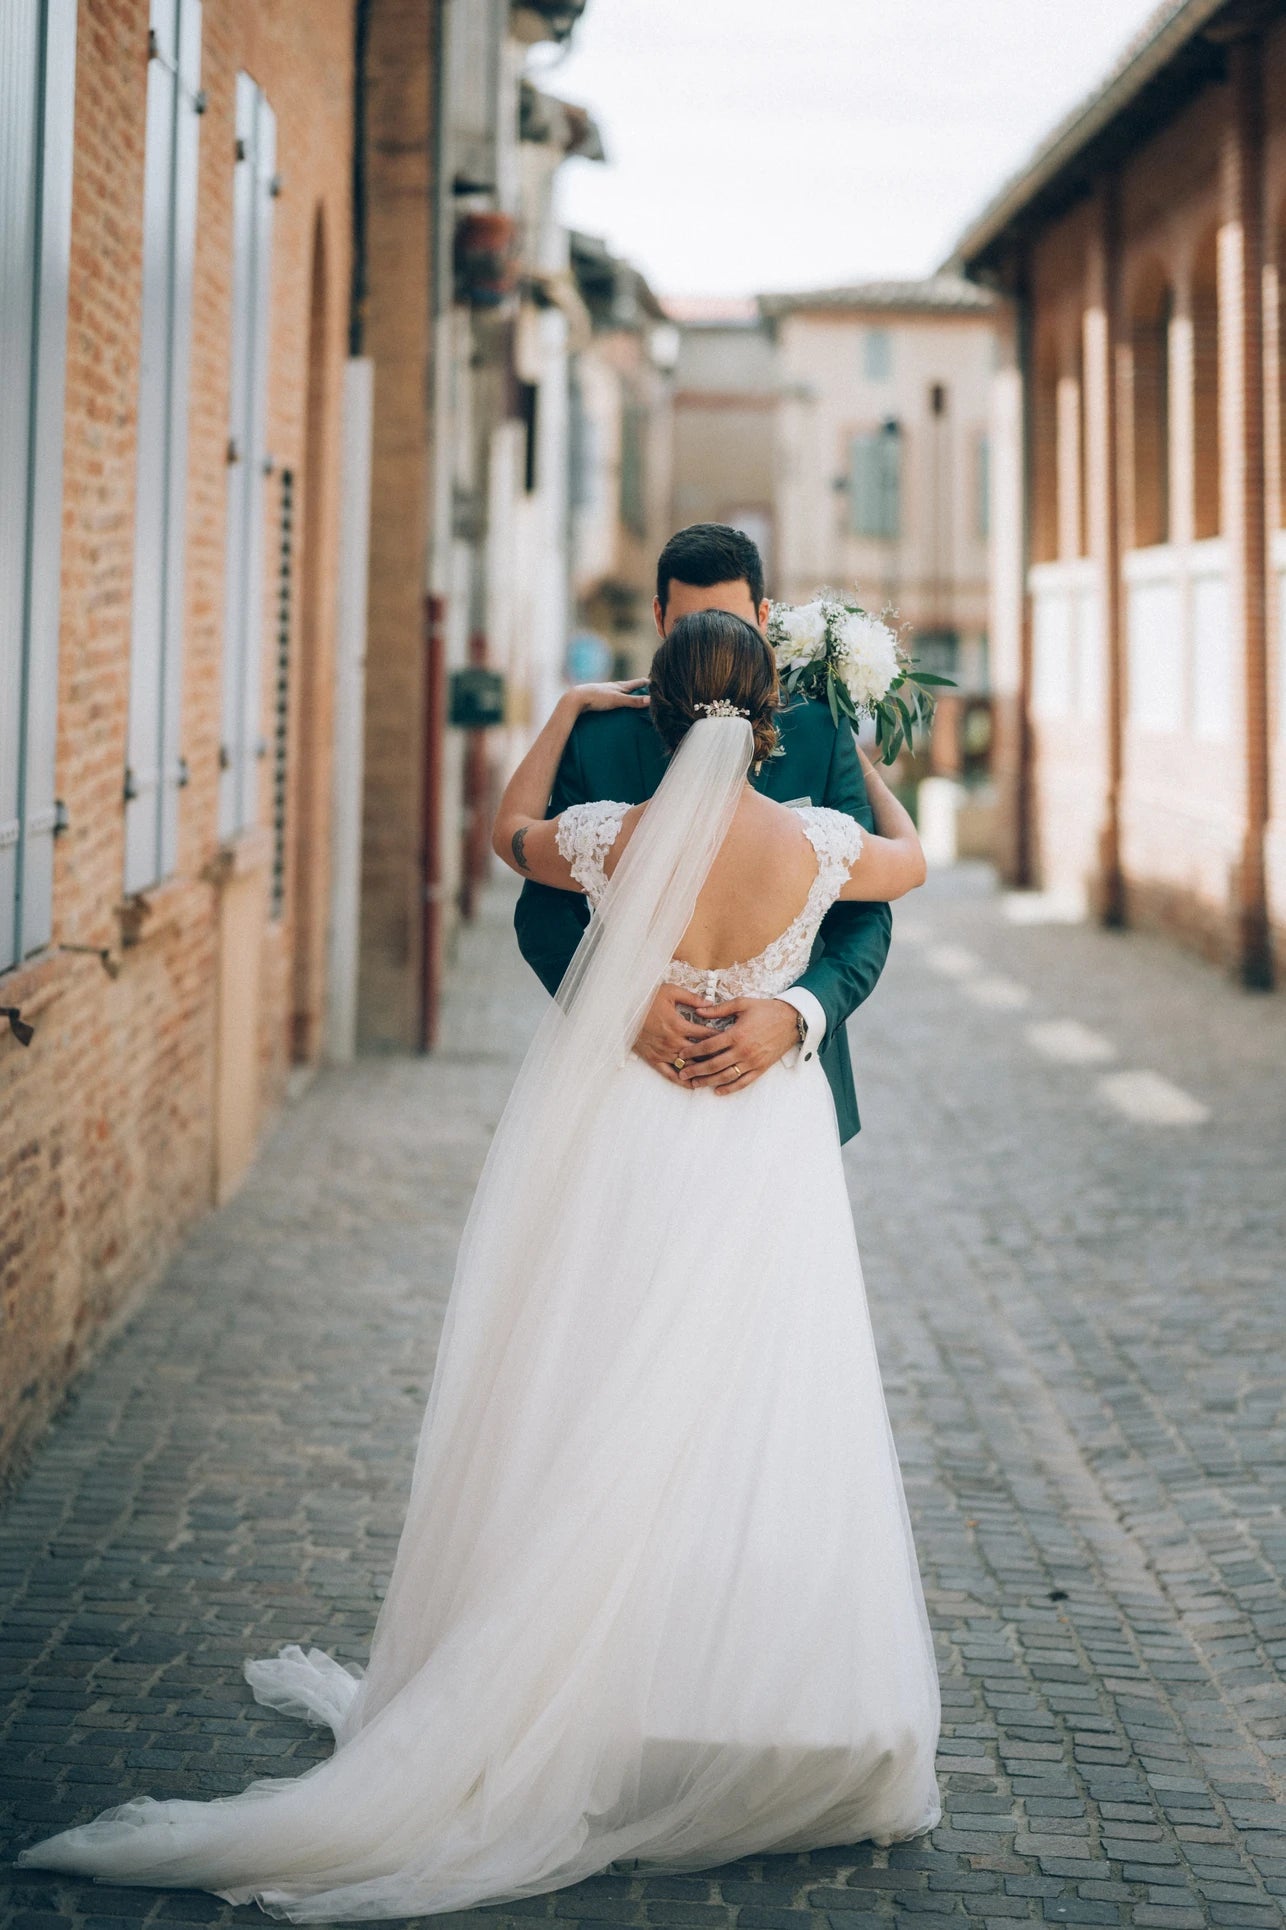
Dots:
{"x": 1075, "y": 1276}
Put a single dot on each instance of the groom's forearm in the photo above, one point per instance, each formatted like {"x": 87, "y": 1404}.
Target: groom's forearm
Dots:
{"x": 856, "y": 937}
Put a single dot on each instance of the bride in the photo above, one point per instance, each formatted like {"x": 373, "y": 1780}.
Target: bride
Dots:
{"x": 656, "y": 1596}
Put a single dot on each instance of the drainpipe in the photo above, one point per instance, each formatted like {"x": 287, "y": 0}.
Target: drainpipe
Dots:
{"x": 1022, "y": 857}
{"x": 431, "y": 829}
{"x": 1112, "y": 877}
{"x": 434, "y": 617}
{"x": 1254, "y": 943}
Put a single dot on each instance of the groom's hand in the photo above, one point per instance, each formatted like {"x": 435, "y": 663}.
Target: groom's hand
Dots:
{"x": 664, "y": 1036}
{"x": 762, "y": 1031}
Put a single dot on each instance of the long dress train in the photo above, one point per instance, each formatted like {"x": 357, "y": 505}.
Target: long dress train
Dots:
{"x": 656, "y": 1595}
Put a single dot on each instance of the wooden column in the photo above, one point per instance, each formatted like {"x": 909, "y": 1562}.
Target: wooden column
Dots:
{"x": 1100, "y": 345}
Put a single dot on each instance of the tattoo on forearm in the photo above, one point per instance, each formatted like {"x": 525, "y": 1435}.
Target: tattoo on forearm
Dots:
{"x": 517, "y": 842}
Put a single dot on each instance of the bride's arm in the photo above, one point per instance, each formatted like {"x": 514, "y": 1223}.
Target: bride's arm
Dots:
{"x": 891, "y": 862}
{"x": 522, "y": 835}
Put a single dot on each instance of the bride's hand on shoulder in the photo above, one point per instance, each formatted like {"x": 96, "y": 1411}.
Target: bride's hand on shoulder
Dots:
{"x": 630, "y": 693}
{"x": 891, "y": 860}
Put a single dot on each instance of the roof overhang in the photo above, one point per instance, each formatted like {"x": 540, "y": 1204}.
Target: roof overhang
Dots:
{"x": 1178, "y": 53}
{"x": 941, "y": 294}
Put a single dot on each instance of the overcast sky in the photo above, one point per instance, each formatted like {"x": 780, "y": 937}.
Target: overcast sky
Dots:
{"x": 777, "y": 144}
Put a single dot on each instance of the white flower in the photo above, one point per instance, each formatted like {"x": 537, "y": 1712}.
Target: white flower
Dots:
{"x": 800, "y": 633}
{"x": 865, "y": 657}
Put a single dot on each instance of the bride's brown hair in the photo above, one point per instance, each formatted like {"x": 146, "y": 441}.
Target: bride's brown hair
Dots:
{"x": 708, "y": 655}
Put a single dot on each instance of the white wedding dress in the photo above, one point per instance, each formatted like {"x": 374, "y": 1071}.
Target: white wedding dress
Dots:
{"x": 656, "y": 1595}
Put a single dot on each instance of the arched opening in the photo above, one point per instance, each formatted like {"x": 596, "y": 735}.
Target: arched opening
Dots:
{"x": 1206, "y": 466}
{"x": 1149, "y": 332}
{"x": 307, "y": 844}
{"x": 1044, "y": 452}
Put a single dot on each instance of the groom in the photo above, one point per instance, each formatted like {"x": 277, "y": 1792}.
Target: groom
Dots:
{"x": 618, "y": 754}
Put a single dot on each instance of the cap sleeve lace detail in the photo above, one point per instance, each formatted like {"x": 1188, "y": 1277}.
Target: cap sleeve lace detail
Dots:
{"x": 585, "y": 834}
{"x": 837, "y": 840}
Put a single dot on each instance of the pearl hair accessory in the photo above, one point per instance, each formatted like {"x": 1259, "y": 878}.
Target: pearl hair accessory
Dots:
{"x": 722, "y": 707}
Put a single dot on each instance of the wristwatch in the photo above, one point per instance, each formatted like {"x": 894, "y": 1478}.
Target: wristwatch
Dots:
{"x": 801, "y": 1029}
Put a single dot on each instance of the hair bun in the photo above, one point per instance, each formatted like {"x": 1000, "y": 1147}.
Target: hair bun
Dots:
{"x": 715, "y": 664}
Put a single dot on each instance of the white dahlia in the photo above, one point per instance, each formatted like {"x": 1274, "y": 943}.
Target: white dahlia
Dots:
{"x": 865, "y": 657}
{"x": 801, "y": 633}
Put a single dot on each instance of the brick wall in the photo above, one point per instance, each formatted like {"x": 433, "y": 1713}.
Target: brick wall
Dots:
{"x": 106, "y": 1120}
{"x": 1150, "y": 395}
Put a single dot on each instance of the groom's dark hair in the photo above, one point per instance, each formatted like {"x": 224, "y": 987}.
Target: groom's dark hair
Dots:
{"x": 707, "y": 553}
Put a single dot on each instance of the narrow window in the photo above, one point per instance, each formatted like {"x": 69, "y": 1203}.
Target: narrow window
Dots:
{"x": 155, "y": 768}
{"x": 37, "y": 75}
{"x": 633, "y": 480}
{"x": 529, "y": 416}
{"x": 877, "y": 355}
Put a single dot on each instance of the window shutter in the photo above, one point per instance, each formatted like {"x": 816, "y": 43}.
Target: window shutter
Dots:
{"x": 37, "y": 77}
{"x": 156, "y": 643}
{"x": 473, "y": 62}
{"x": 254, "y": 187}
{"x": 633, "y": 496}
{"x": 188, "y": 108}
{"x": 874, "y": 483}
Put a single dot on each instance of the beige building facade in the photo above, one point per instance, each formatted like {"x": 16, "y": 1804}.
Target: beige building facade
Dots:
{"x": 882, "y": 456}
{"x": 847, "y": 430}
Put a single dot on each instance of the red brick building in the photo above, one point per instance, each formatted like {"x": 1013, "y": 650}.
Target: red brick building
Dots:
{"x": 1139, "y": 546}
{"x": 174, "y": 220}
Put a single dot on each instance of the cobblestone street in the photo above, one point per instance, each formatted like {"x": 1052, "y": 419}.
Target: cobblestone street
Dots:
{"x": 1069, "y": 1194}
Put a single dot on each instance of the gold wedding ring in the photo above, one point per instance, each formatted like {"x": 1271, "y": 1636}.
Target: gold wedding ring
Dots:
{"x": 737, "y": 1071}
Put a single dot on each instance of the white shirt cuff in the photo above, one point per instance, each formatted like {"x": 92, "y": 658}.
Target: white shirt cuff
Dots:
{"x": 810, "y": 1006}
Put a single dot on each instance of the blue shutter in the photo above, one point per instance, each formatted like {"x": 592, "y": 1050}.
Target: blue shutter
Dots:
{"x": 156, "y": 643}
{"x": 254, "y": 186}
{"x": 875, "y": 460}
{"x": 37, "y": 80}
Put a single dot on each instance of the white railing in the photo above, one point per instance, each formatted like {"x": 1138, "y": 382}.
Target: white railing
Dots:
{"x": 1068, "y": 647}
{"x": 1181, "y": 650}
{"x": 1277, "y": 564}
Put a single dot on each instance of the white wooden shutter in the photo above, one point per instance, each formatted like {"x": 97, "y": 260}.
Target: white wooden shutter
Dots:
{"x": 254, "y": 186}
{"x": 155, "y": 768}
{"x": 37, "y": 81}
{"x": 474, "y": 35}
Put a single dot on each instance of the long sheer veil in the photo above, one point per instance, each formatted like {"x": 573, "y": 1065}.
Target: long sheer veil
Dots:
{"x": 585, "y": 1035}
{"x": 655, "y": 1441}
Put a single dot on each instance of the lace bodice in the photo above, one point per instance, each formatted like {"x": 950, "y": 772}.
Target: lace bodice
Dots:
{"x": 587, "y": 832}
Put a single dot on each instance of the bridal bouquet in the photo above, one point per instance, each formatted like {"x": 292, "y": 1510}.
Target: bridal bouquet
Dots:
{"x": 833, "y": 648}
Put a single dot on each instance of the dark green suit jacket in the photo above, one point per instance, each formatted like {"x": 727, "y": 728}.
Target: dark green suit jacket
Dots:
{"x": 617, "y": 754}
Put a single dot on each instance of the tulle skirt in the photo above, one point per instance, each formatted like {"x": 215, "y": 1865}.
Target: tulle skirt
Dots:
{"x": 656, "y": 1596}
